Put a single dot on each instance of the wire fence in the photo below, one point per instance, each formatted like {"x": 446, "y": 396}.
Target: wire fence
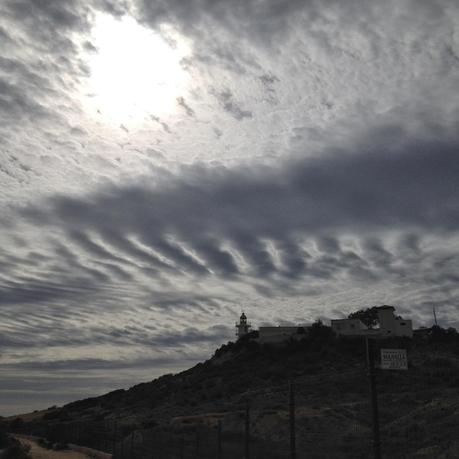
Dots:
{"x": 293, "y": 429}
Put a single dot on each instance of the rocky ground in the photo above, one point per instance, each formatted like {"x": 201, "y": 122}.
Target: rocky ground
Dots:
{"x": 37, "y": 452}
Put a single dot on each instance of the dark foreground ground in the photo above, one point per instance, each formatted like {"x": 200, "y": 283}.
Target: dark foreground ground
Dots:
{"x": 202, "y": 412}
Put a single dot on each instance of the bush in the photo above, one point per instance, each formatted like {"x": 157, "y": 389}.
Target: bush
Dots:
{"x": 321, "y": 332}
{"x": 16, "y": 450}
{"x": 60, "y": 446}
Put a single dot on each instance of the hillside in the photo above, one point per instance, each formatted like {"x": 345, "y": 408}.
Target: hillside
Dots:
{"x": 419, "y": 408}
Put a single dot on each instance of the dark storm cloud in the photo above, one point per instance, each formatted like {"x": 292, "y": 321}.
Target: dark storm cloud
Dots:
{"x": 30, "y": 293}
{"x": 40, "y": 331}
{"x": 383, "y": 188}
{"x": 203, "y": 221}
{"x": 241, "y": 17}
{"x": 266, "y": 22}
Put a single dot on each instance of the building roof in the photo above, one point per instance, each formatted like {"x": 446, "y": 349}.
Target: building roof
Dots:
{"x": 347, "y": 320}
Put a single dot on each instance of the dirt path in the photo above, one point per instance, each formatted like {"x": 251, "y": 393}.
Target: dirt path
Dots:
{"x": 37, "y": 452}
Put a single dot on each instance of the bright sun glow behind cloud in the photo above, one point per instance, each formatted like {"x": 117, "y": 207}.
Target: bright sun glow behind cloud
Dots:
{"x": 135, "y": 73}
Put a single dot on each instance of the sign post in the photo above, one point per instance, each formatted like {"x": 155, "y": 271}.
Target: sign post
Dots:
{"x": 391, "y": 359}
{"x": 374, "y": 398}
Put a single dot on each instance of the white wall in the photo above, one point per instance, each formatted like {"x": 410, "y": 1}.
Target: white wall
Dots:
{"x": 348, "y": 326}
{"x": 278, "y": 334}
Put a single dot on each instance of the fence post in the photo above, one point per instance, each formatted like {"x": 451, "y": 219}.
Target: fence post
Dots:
{"x": 196, "y": 453}
{"x": 114, "y": 438}
{"x": 132, "y": 444}
{"x": 374, "y": 398}
{"x": 292, "y": 420}
{"x": 181, "y": 447}
{"x": 247, "y": 432}
{"x": 160, "y": 446}
{"x": 219, "y": 439}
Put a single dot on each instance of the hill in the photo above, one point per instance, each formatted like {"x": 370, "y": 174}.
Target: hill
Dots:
{"x": 419, "y": 408}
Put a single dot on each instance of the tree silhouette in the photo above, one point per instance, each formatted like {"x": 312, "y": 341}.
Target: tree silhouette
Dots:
{"x": 368, "y": 316}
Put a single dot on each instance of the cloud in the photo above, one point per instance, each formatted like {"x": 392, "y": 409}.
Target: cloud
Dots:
{"x": 188, "y": 110}
{"x": 315, "y": 173}
{"x": 383, "y": 187}
{"x": 229, "y": 105}
{"x": 354, "y": 218}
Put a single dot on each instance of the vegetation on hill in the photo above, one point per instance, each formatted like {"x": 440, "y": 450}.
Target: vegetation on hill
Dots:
{"x": 419, "y": 408}
{"x": 10, "y": 448}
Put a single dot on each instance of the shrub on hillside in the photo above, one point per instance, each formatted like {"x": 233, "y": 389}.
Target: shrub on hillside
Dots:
{"x": 16, "y": 425}
{"x": 15, "y": 450}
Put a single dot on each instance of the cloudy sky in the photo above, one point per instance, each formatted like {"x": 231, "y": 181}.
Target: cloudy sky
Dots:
{"x": 164, "y": 164}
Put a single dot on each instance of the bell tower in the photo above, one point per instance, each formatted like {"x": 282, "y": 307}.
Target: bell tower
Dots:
{"x": 243, "y": 327}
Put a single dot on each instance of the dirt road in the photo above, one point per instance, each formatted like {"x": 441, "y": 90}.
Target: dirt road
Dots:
{"x": 37, "y": 452}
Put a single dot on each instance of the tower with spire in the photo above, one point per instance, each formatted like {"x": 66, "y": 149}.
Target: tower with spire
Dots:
{"x": 243, "y": 327}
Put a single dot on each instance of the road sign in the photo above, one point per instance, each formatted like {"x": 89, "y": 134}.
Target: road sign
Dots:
{"x": 394, "y": 359}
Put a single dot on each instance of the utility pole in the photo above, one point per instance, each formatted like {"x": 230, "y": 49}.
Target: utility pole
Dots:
{"x": 374, "y": 398}
{"x": 291, "y": 399}
{"x": 435, "y": 316}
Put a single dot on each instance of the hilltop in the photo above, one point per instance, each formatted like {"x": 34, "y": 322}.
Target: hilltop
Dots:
{"x": 419, "y": 408}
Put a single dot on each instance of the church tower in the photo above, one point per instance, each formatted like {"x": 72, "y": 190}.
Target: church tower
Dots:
{"x": 243, "y": 327}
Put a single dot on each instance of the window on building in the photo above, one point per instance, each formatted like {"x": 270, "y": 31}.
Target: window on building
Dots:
{"x": 402, "y": 323}
{"x": 352, "y": 326}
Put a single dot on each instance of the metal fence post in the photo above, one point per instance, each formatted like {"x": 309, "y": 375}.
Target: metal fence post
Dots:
{"x": 132, "y": 444}
{"x": 219, "y": 439}
{"x": 292, "y": 420}
{"x": 247, "y": 432}
{"x": 196, "y": 453}
{"x": 114, "y": 438}
{"x": 181, "y": 446}
{"x": 160, "y": 446}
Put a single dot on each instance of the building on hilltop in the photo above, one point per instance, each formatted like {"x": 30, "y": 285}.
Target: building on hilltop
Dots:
{"x": 349, "y": 327}
{"x": 243, "y": 327}
{"x": 279, "y": 334}
{"x": 270, "y": 334}
{"x": 389, "y": 325}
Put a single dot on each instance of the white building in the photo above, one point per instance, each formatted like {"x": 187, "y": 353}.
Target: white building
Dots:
{"x": 389, "y": 325}
{"x": 280, "y": 334}
{"x": 270, "y": 334}
{"x": 349, "y": 327}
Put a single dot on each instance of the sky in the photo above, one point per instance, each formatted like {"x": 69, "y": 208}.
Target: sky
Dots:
{"x": 167, "y": 164}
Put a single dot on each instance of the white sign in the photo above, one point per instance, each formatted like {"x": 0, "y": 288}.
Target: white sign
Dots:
{"x": 394, "y": 359}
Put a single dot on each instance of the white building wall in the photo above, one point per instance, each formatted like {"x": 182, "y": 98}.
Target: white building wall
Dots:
{"x": 389, "y": 325}
{"x": 348, "y": 326}
{"x": 278, "y": 334}
{"x": 386, "y": 318}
